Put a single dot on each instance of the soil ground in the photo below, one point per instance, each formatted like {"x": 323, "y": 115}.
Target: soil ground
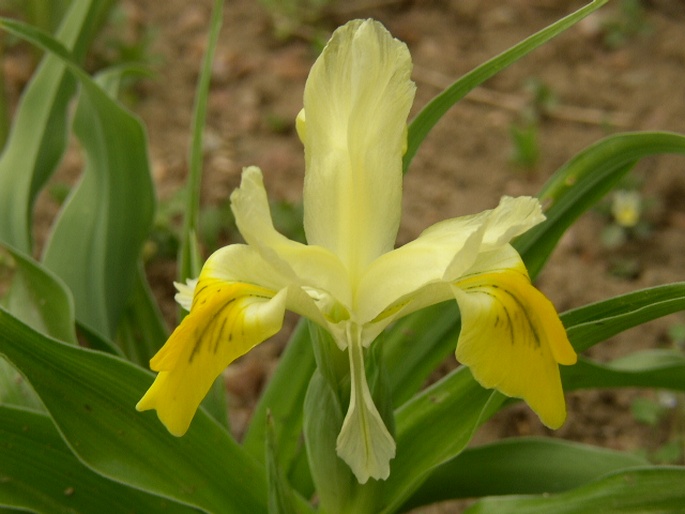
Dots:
{"x": 615, "y": 71}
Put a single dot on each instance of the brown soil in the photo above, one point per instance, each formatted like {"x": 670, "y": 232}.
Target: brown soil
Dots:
{"x": 465, "y": 164}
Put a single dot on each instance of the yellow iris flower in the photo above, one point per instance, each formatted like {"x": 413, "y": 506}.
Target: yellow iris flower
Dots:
{"x": 349, "y": 278}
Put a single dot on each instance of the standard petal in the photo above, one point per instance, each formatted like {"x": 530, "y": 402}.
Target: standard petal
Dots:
{"x": 296, "y": 263}
{"x": 409, "y": 278}
{"x": 511, "y": 335}
{"x": 226, "y": 321}
{"x": 356, "y": 102}
{"x": 364, "y": 442}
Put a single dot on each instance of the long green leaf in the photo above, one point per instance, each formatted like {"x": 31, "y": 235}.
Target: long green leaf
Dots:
{"x": 520, "y": 466}
{"x": 436, "y": 108}
{"x": 97, "y": 239}
{"x": 40, "y": 299}
{"x": 39, "y": 473}
{"x": 651, "y": 368}
{"x": 282, "y": 400}
{"x": 91, "y": 398}
{"x": 39, "y": 133}
{"x": 583, "y": 181}
{"x": 142, "y": 330}
{"x": 434, "y": 427}
{"x": 657, "y": 490}
{"x": 590, "y": 324}
{"x": 189, "y": 257}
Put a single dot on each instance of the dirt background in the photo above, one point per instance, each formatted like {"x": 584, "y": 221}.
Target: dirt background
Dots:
{"x": 615, "y": 71}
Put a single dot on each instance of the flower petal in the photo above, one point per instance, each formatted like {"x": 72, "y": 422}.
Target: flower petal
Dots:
{"x": 412, "y": 274}
{"x": 226, "y": 320}
{"x": 511, "y": 337}
{"x": 296, "y": 263}
{"x": 184, "y": 297}
{"x": 356, "y": 102}
{"x": 364, "y": 442}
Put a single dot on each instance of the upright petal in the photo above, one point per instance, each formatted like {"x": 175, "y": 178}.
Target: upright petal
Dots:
{"x": 511, "y": 335}
{"x": 356, "y": 103}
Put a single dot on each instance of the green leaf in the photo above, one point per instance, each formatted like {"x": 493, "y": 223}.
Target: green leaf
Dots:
{"x": 520, "y": 466}
{"x": 657, "y": 489}
{"x": 283, "y": 398}
{"x": 425, "y": 440}
{"x": 590, "y": 324}
{"x": 97, "y": 238}
{"x": 189, "y": 255}
{"x": 281, "y": 495}
{"x": 142, "y": 330}
{"x": 40, "y": 299}
{"x": 91, "y": 398}
{"x": 323, "y": 417}
{"x": 582, "y": 182}
{"x": 39, "y": 133}
{"x": 409, "y": 362}
{"x": 62, "y": 484}
{"x": 436, "y": 108}
{"x": 651, "y": 368}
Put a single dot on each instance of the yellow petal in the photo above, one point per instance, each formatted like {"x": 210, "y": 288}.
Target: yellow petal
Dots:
{"x": 357, "y": 99}
{"x": 513, "y": 340}
{"x": 226, "y": 320}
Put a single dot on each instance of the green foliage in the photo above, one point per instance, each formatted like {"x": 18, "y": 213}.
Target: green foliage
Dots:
{"x": 72, "y": 439}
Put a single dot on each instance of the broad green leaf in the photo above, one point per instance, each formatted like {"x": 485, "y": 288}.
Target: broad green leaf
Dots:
{"x": 583, "y": 181}
{"x": 644, "y": 490}
{"x": 434, "y": 427}
{"x": 40, "y": 299}
{"x": 436, "y": 108}
{"x": 142, "y": 330}
{"x": 39, "y": 473}
{"x": 39, "y": 133}
{"x": 520, "y": 466}
{"x": 91, "y": 397}
{"x": 283, "y": 399}
{"x": 97, "y": 238}
{"x": 282, "y": 499}
{"x": 650, "y": 368}
{"x": 590, "y": 324}
{"x": 323, "y": 417}
{"x": 416, "y": 345}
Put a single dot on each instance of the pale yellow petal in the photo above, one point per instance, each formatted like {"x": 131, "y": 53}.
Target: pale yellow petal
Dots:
{"x": 364, "y": 442}
{"x": 356, "y": 102}
{"x": 410, "y": 276}
{"x": 295, "y": 263}
{"x": 512, "y": 338}
{"x": 226, "y": 320}
{"x": 184, "y": 297}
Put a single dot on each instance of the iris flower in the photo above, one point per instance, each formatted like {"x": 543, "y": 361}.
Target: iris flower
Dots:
{"x": 349, "y": 278}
